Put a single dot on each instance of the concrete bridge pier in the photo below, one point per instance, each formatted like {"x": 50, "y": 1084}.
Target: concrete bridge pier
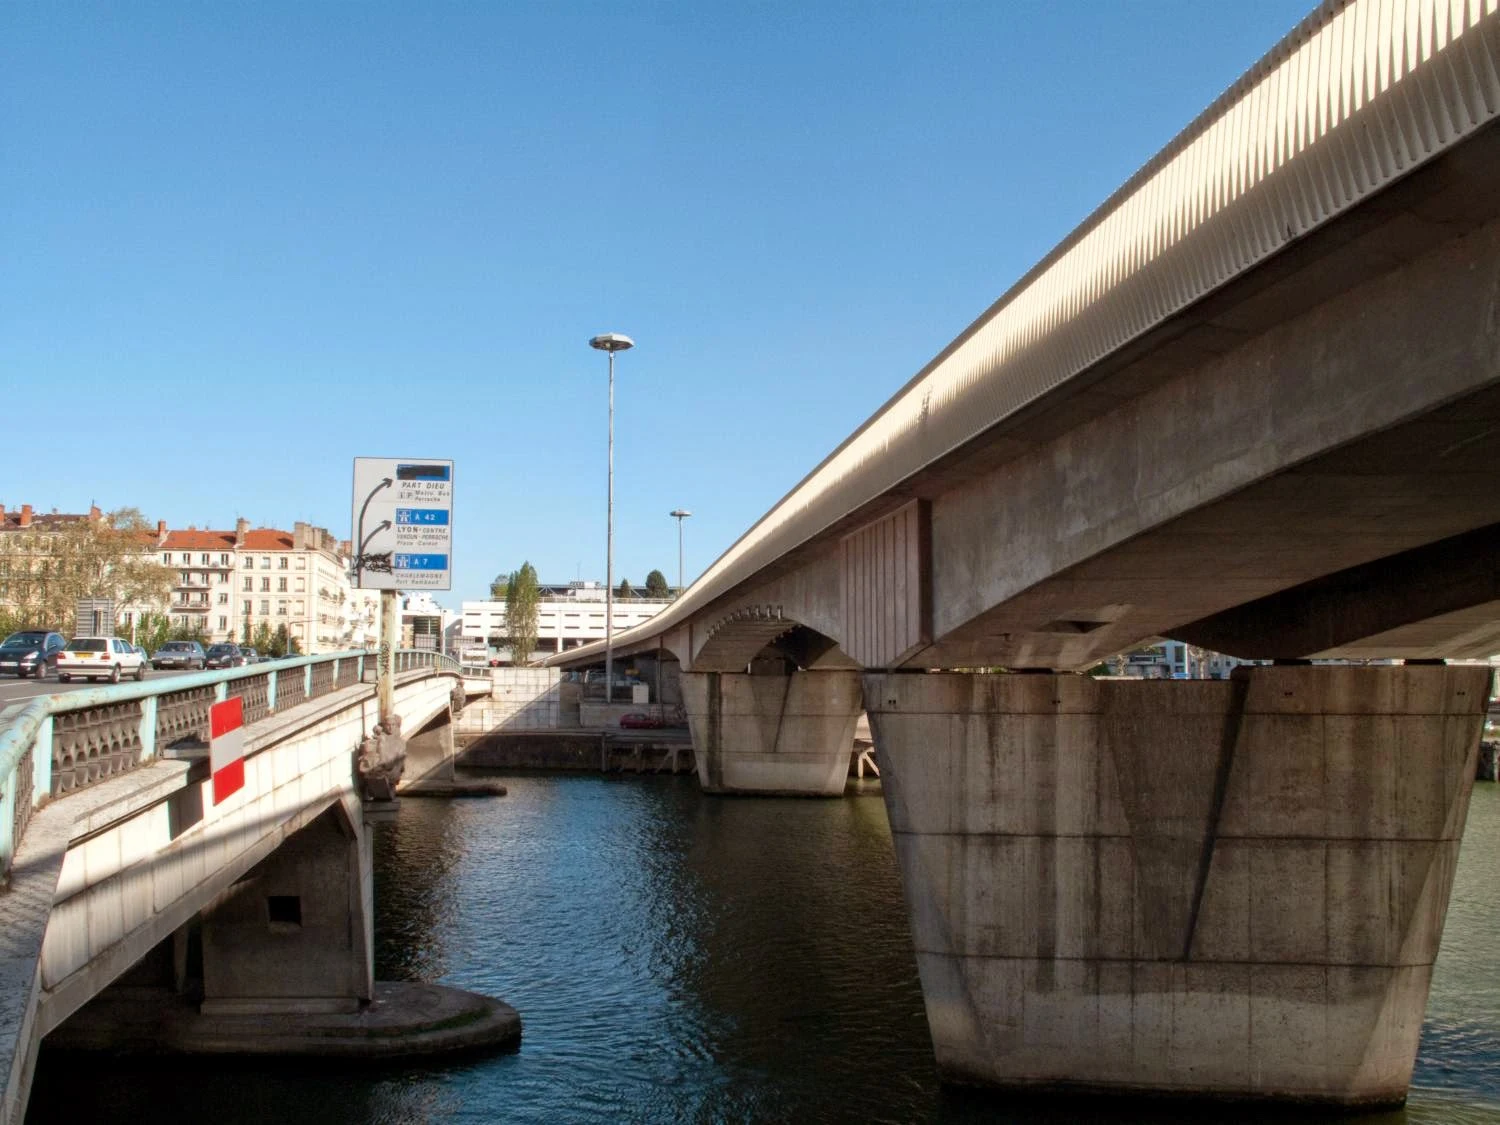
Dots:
{"x": 1228, "y": 889}
{"x": 295, "y": 935}
{"x": 772, "y": 734}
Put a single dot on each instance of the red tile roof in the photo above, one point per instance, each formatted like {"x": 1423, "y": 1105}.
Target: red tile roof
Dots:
{"x": 199, "y": 541}
{"x": 267, "y": 539}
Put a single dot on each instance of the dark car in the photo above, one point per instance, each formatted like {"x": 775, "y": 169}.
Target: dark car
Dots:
{"x": 225, "y": 656}
{"x": 180, "y": 654}
{"x": 32, "y": 652}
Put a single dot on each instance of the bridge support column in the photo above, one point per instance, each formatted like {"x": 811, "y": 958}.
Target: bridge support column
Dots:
{"x": 1213, "y": 888}
{"x": 295, "y": 935}
{"x": 772, "y": 734}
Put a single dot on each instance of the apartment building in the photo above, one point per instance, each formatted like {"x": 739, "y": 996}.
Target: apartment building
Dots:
{"x": 226, "y": 580}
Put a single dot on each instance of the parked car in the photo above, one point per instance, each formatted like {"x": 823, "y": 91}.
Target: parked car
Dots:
{"x": 32, "y": 652}
{"x": 639, "y": 720}
{"x": 224, "y": 656}
{"x": 100, "y": 658}
{"x": 180, "y": 654}
{"x": 250, "y": 655}
{"x": 143, "y": 655}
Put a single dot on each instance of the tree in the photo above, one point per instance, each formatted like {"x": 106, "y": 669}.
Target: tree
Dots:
{"x": 264, "y": 638}
{"x": 499, "y": 585}
{"x": 625, "y": 590}
{"x": 522, "y": 593}
{"x": 98, "y": 556}
{"x": 656, "y": 584}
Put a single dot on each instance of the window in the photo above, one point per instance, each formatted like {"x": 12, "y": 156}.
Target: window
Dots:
{"x": 224, "y": 559}
{"x": 265, "y": 607}
{"x": 265, "y": 585}
{"x": 302, "y": 585}
{"x": 223, "y": 624}
{"x": 281, "y": 584}
{"x": 223, "y": 598}
{"x": 245, "y": 609}
{"x": 187, "y": 579}
{"x": 203, "y": 559}
{"x": 281, "y": 609}
{"x": 301, "y": 563}
{"x": 265, "y": 562}
{"x": 187, "y": 557}
{"x": 249, "y": 583}
{"x": 166, "y": 558}
{"x": 282, "y": 562}
{"x": 203, "y": 577}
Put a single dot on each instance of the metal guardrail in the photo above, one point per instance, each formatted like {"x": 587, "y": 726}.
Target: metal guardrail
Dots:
{"x": 408, "y": 659}
{"x": 55, "y": 745}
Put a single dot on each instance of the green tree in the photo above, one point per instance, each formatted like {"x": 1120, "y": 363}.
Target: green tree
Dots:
{"x": 499, "y": 585}
{"x": 264, "y": 638}
{"x": 656, "y": 584}
{"x": 625, "y": 590}
{"x": 105, "y": 556}
{"x": 522, "y": 593}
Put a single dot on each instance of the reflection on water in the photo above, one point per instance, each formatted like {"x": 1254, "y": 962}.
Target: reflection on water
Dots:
{"x": 679, "y": 958}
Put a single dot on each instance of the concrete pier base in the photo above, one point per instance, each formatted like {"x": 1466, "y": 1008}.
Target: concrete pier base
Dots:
{"x": 295, "y": 934}
{"x": 1225, "y": 889}
{"x": 772, "y": 734}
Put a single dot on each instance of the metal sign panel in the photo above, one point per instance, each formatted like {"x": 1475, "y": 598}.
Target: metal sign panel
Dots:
{"x": 403, "y": 523}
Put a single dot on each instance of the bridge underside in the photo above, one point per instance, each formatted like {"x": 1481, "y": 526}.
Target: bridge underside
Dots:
{"x": 1348, "y": 431}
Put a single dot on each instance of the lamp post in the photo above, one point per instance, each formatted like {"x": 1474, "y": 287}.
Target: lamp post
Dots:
{"x": 679, "y": 514}
{"x": 610, "y": 342}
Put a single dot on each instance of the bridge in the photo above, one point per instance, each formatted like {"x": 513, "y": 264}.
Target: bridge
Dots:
{"x": 121, "y": 860}
{"x": 1252, "y": 403}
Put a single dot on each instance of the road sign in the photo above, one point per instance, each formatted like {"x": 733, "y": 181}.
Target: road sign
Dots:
{"x": 226, "y": 746}
{"x": 403, "y": 523}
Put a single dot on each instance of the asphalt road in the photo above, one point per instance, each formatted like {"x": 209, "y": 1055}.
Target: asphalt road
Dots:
{"x": 12, "y": 689}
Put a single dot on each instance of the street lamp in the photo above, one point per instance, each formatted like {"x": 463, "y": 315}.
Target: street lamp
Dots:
{"x": 679, "y": 514}
{"x": 610, "y": 342}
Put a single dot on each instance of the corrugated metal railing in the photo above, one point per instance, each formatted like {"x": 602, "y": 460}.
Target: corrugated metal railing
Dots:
{"x": 55, "y": 745}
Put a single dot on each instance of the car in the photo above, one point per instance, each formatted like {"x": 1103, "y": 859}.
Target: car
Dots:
{"x": 224, "y": 656}
{"x": 31, "y": 652}
{"x": 639, "y": 720}
{"x": 141, "y": 652}
{"x": 251, "y": 656}
{"x": 100, "y": 658}
{"x": 180, "y": 654}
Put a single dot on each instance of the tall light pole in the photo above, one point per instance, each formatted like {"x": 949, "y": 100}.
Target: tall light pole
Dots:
{"x": 610, "y": 342}
{"x": 679, "y": 514}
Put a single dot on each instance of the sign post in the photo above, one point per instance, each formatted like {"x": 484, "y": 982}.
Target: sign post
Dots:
{"x": 402, "y": 519}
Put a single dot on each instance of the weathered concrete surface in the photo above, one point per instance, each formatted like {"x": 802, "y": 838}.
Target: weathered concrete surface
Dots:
{"x": 404, "y": 1020}
{"x": 1228, "y": 889}
{"x": 772, "y": 734}
{"x": 295, "y": 933}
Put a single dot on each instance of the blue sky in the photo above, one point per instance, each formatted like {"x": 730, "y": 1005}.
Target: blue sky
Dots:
{"x": 250, "y": 242}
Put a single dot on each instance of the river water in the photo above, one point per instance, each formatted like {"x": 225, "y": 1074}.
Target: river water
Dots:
{"x": 682, "y": 958}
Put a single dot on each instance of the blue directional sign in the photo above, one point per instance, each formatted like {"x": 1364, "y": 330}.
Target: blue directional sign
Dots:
{"x": 422, "y": 517}
{"x": 419, "y": 562}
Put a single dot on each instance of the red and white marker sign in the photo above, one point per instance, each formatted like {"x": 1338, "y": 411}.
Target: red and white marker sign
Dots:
{"x": 226, "y": 746}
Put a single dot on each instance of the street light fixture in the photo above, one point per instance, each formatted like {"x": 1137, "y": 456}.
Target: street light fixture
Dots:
{"x": 610, "y": 342}
{"x": 679, "y": 514}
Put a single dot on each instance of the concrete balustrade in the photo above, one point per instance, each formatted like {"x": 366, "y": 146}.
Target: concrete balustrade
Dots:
{"x": 1215, "y": 888}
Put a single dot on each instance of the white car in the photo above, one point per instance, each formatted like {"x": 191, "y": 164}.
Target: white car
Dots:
{"x": 100, "y": 658}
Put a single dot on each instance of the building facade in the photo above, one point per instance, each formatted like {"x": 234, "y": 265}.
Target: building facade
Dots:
{"x": 567, "y": 616}
{"x": 228, "y": 582}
